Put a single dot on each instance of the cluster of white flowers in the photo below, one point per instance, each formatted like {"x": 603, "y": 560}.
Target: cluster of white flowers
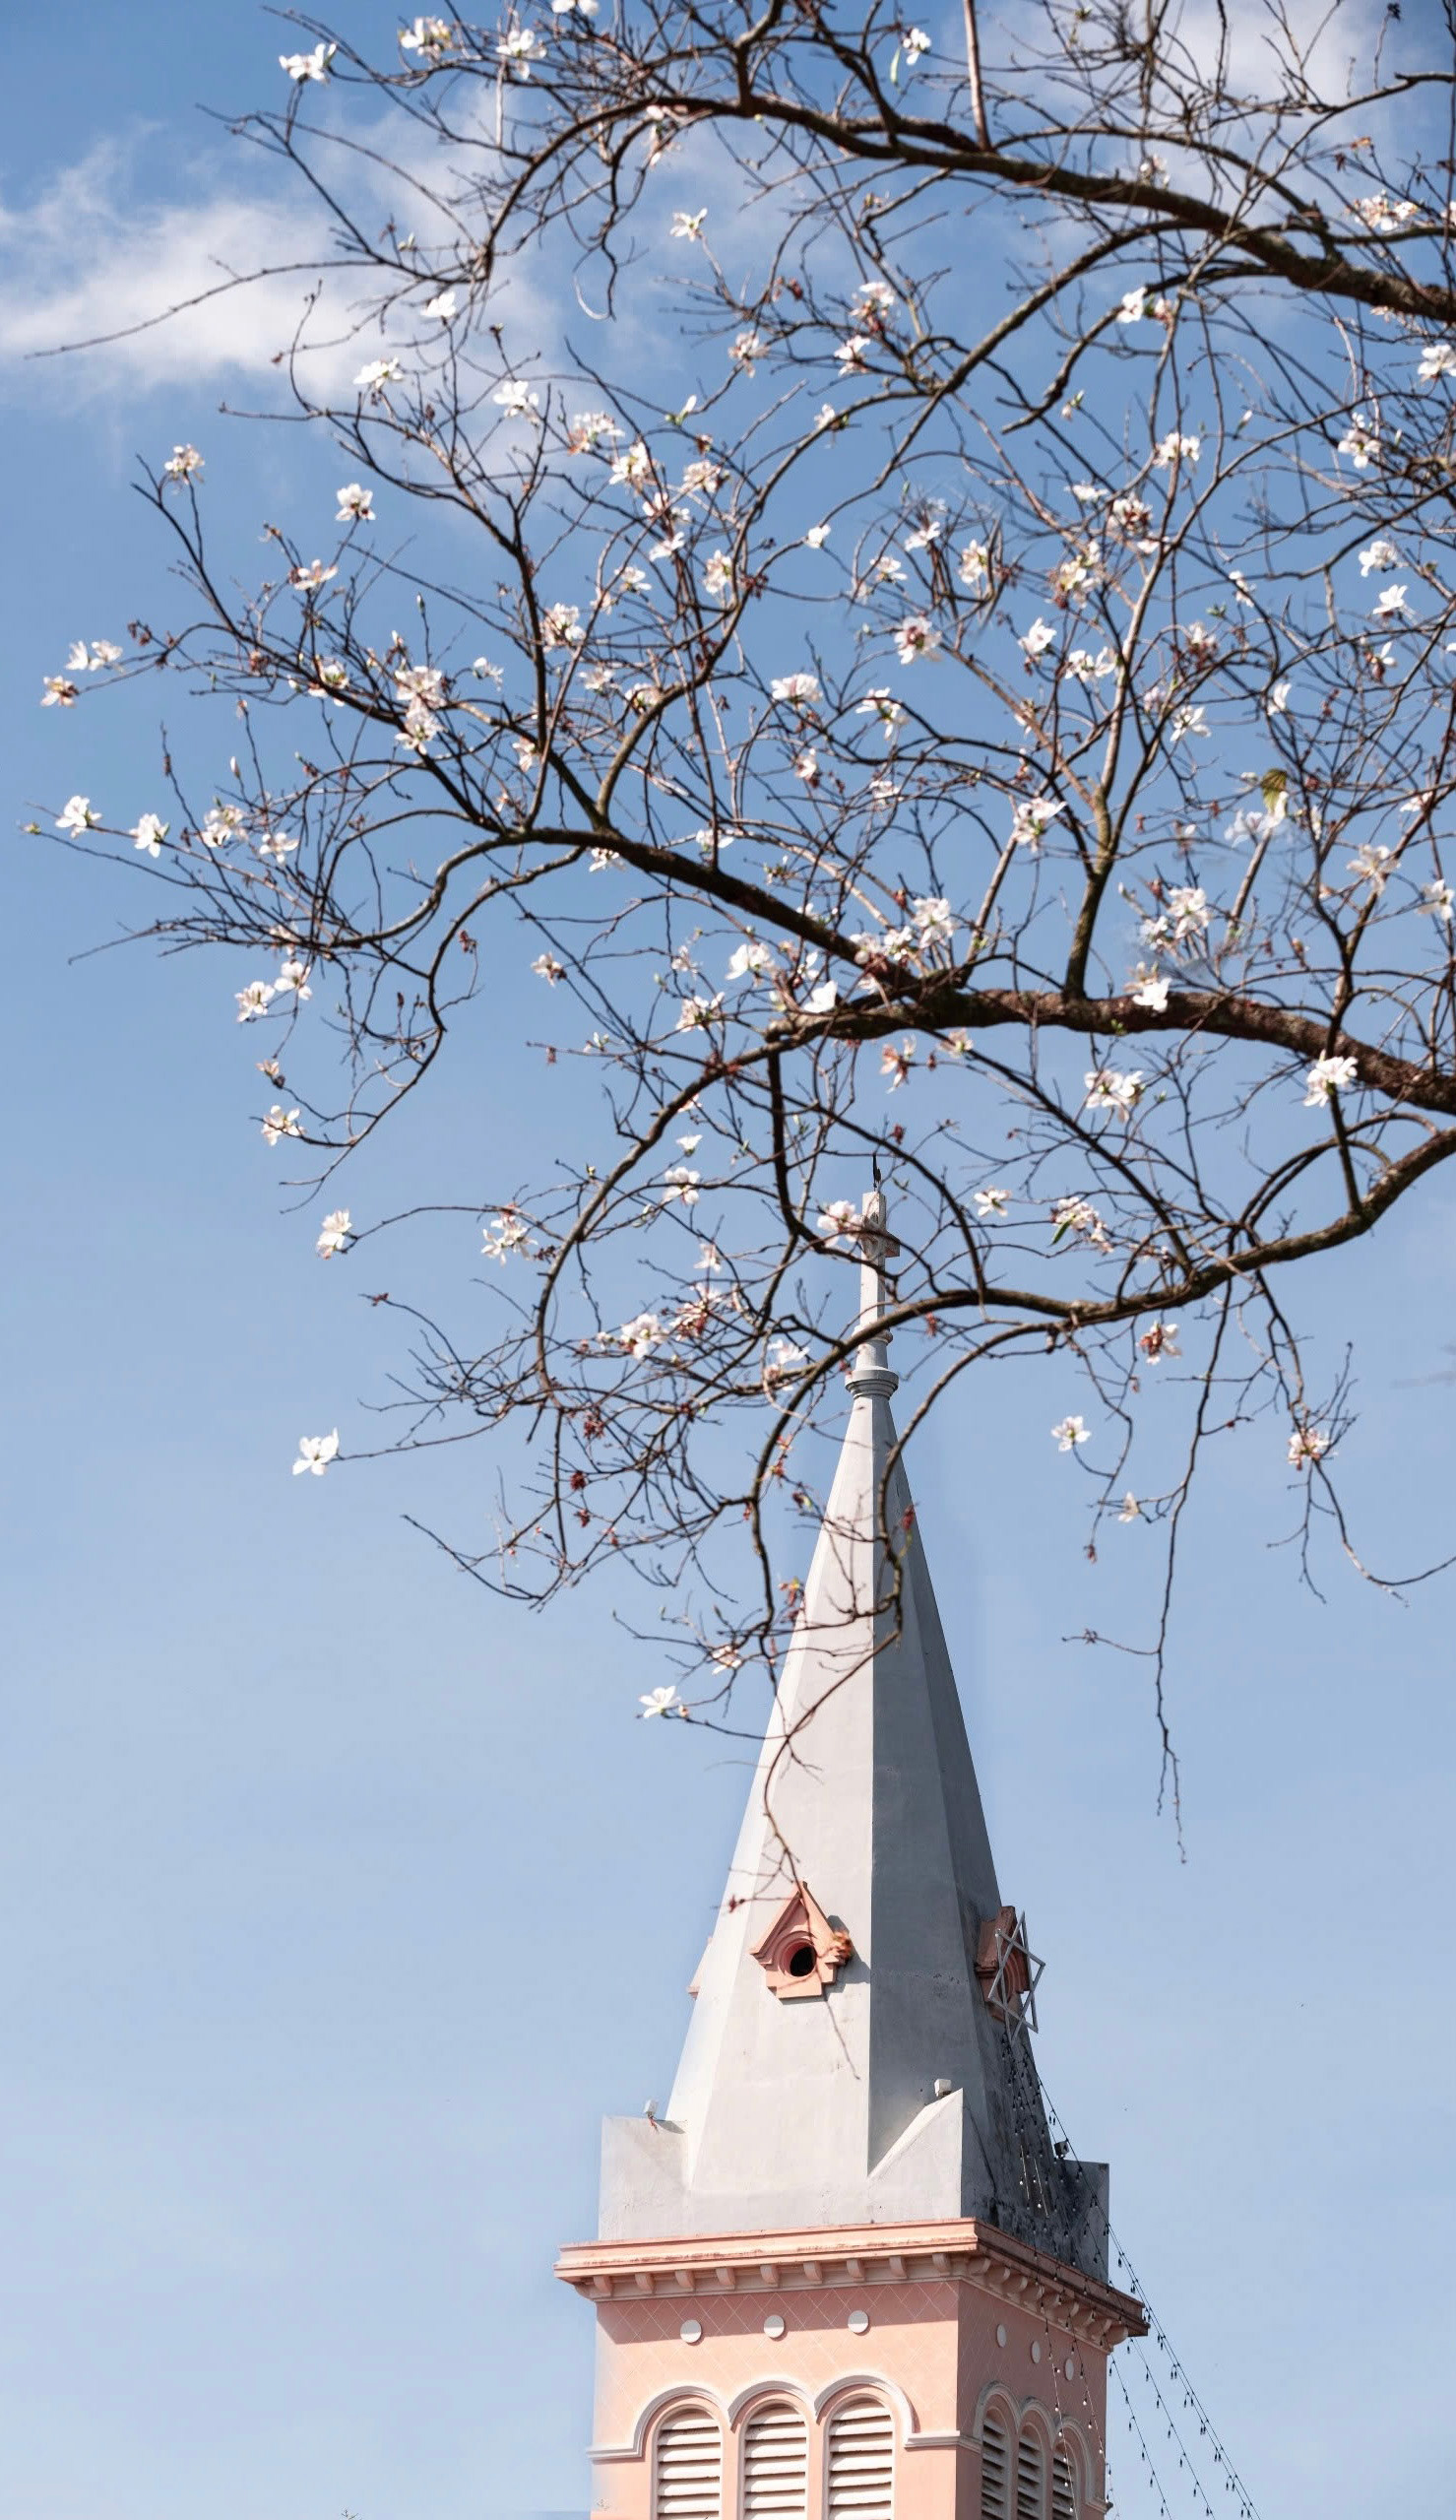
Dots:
{"x": 1385, "y": 217}
{"x": 1175, "y": 449}
{"x": 1080, "y": 666}
{"x": 589, "y": 430}
{"x": 182, "y": 465}
{"x": 1184, "y": 917}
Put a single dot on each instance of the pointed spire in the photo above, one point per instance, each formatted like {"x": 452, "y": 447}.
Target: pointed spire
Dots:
{"x": 857, "y": 2052}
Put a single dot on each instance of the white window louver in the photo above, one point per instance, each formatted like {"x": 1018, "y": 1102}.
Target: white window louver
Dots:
{"x": 1031, "y": 2489}
{"x": 995, "y": 2469}
{"x": 1063, "y": 2491}
{"x": 775, "y": 2466}
{"x": 689, "y": 2467}
{"x": 861, "y": 2462}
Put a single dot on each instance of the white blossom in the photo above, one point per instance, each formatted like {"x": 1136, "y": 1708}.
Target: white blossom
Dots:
{"x": 1130, "y": 1511}
{"x": 934, "y": 921}
{"x": 1114, "y": 1089}
{"x": 897, "y": 1058}
{"x": 1175, "y": 448}
{"x": 816, "y": 537}
{"x": 687, "y": 225}
{"x": 1307, "y": 1445}
{"x": 683, "y": 1185}
{"x": 661, "y": 1701}
{"x": 883, "y": 705}
{"x": 546, "y": 967}
{"x": 506, "y": 1232}
{"x": 806, "y": 766}
{"x": 1360, "y": 441}
{"x": 1188, "y": 720}
{"x": 1158, "y": 1340}
{"x": 1080, "y": 666}
{"x": 255, "y": 1000}
{"x": 1071, "y": 1431}
{"x": 641, "y": 1335}
{"x": 1438, "y": 898}
{"x": 1076, "y": 1215}
{"x": 750, "y": 961}
{"x": 850, "y": 353}
{"x": 333, "y": 1234}
{"x": 445, "y": 306}
{"x": 1438, "y": 358}
{"x": 1152, "y": 992}
{"x": 303, "y": 66}
{"x": 182, "y": 463}
{"x": 973, "y": 567}
{"x": 561, "y": 627}
{"x": 376, "y": 373}
{"x": 76, "y": 816}
{"x": 310, "y": 575}
{"x": 717, "y": 573}
{"x": 315, "y": 1452}
{"x": 1390, "y": 605}
{"x": 915, "y": 637}
{"x": 278, "y": 1122}
{"x": 1133, "y": 308}
{"x": 1276, "y": 705}
{"x": 1032, "y": 818}
{"x": 839, "y": 1222}
{"x": 1328, "y": 1075}
{"x": 1380, "y": 554}
{"x": 430, "y": 35}
{"x": 518, "y": 47}
{"x": 589, "y": 430}
{"x": 1040, "y": 637}
{"x": 746, "y": 350}
{"x": 802, "y": 689}
{"x": 57, "y": 693}
{"x": 697, "y": 1012}
{"x": 991, "y": 1201}
{"x": 149, "y": 833}
{"x": 1373, "y": 863}
{"x": 517, "y": 399}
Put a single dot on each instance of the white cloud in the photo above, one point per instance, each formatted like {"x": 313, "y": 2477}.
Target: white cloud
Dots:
{"x": 85, "y": 259}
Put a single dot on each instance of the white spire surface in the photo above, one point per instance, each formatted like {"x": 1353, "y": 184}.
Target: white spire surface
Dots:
{"x": 887, "y": 2089}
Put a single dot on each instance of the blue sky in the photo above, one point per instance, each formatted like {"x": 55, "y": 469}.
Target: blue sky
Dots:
{"x": 337, "y": 1901}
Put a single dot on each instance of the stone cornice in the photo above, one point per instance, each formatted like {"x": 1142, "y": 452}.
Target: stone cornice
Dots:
{"x": 960, "y": 2252}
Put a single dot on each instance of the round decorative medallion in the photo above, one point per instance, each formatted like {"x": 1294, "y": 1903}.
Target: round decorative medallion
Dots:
{"x": 1035, "y": 2348}
{"x": 858, "y": 2323}
{"x": 691, "y": 2331}
{"x": 1001, "y": 2336}
{"x": 773, "y": 2325}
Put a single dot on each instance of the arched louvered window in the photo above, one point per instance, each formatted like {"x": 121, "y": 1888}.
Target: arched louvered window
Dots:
{"x": 688, "y": 2470}
{"x": 775, "y": 2465}
{"x": 995, "y": 2469}
{"x": 1031, "y": 2478}
{"x": 1063, "y": 2488}
{"x": 861, "y": 2462}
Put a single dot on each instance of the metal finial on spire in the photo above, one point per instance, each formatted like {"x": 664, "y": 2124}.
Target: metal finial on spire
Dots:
{"x": 871, "y": 1371}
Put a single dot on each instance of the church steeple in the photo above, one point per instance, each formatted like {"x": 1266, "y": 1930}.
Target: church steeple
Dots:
{"x": 904, "y": 2089}
{"x": 855, "y": 2139}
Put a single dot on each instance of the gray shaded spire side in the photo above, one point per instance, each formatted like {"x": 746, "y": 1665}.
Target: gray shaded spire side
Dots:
{"x": 800, "y": 2112}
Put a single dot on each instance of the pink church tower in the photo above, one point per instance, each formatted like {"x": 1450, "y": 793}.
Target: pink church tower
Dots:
{"x": 848, "y": 2276}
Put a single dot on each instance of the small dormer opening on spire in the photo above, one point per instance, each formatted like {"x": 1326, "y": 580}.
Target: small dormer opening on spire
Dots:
{"x": 802, "y": 1952}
